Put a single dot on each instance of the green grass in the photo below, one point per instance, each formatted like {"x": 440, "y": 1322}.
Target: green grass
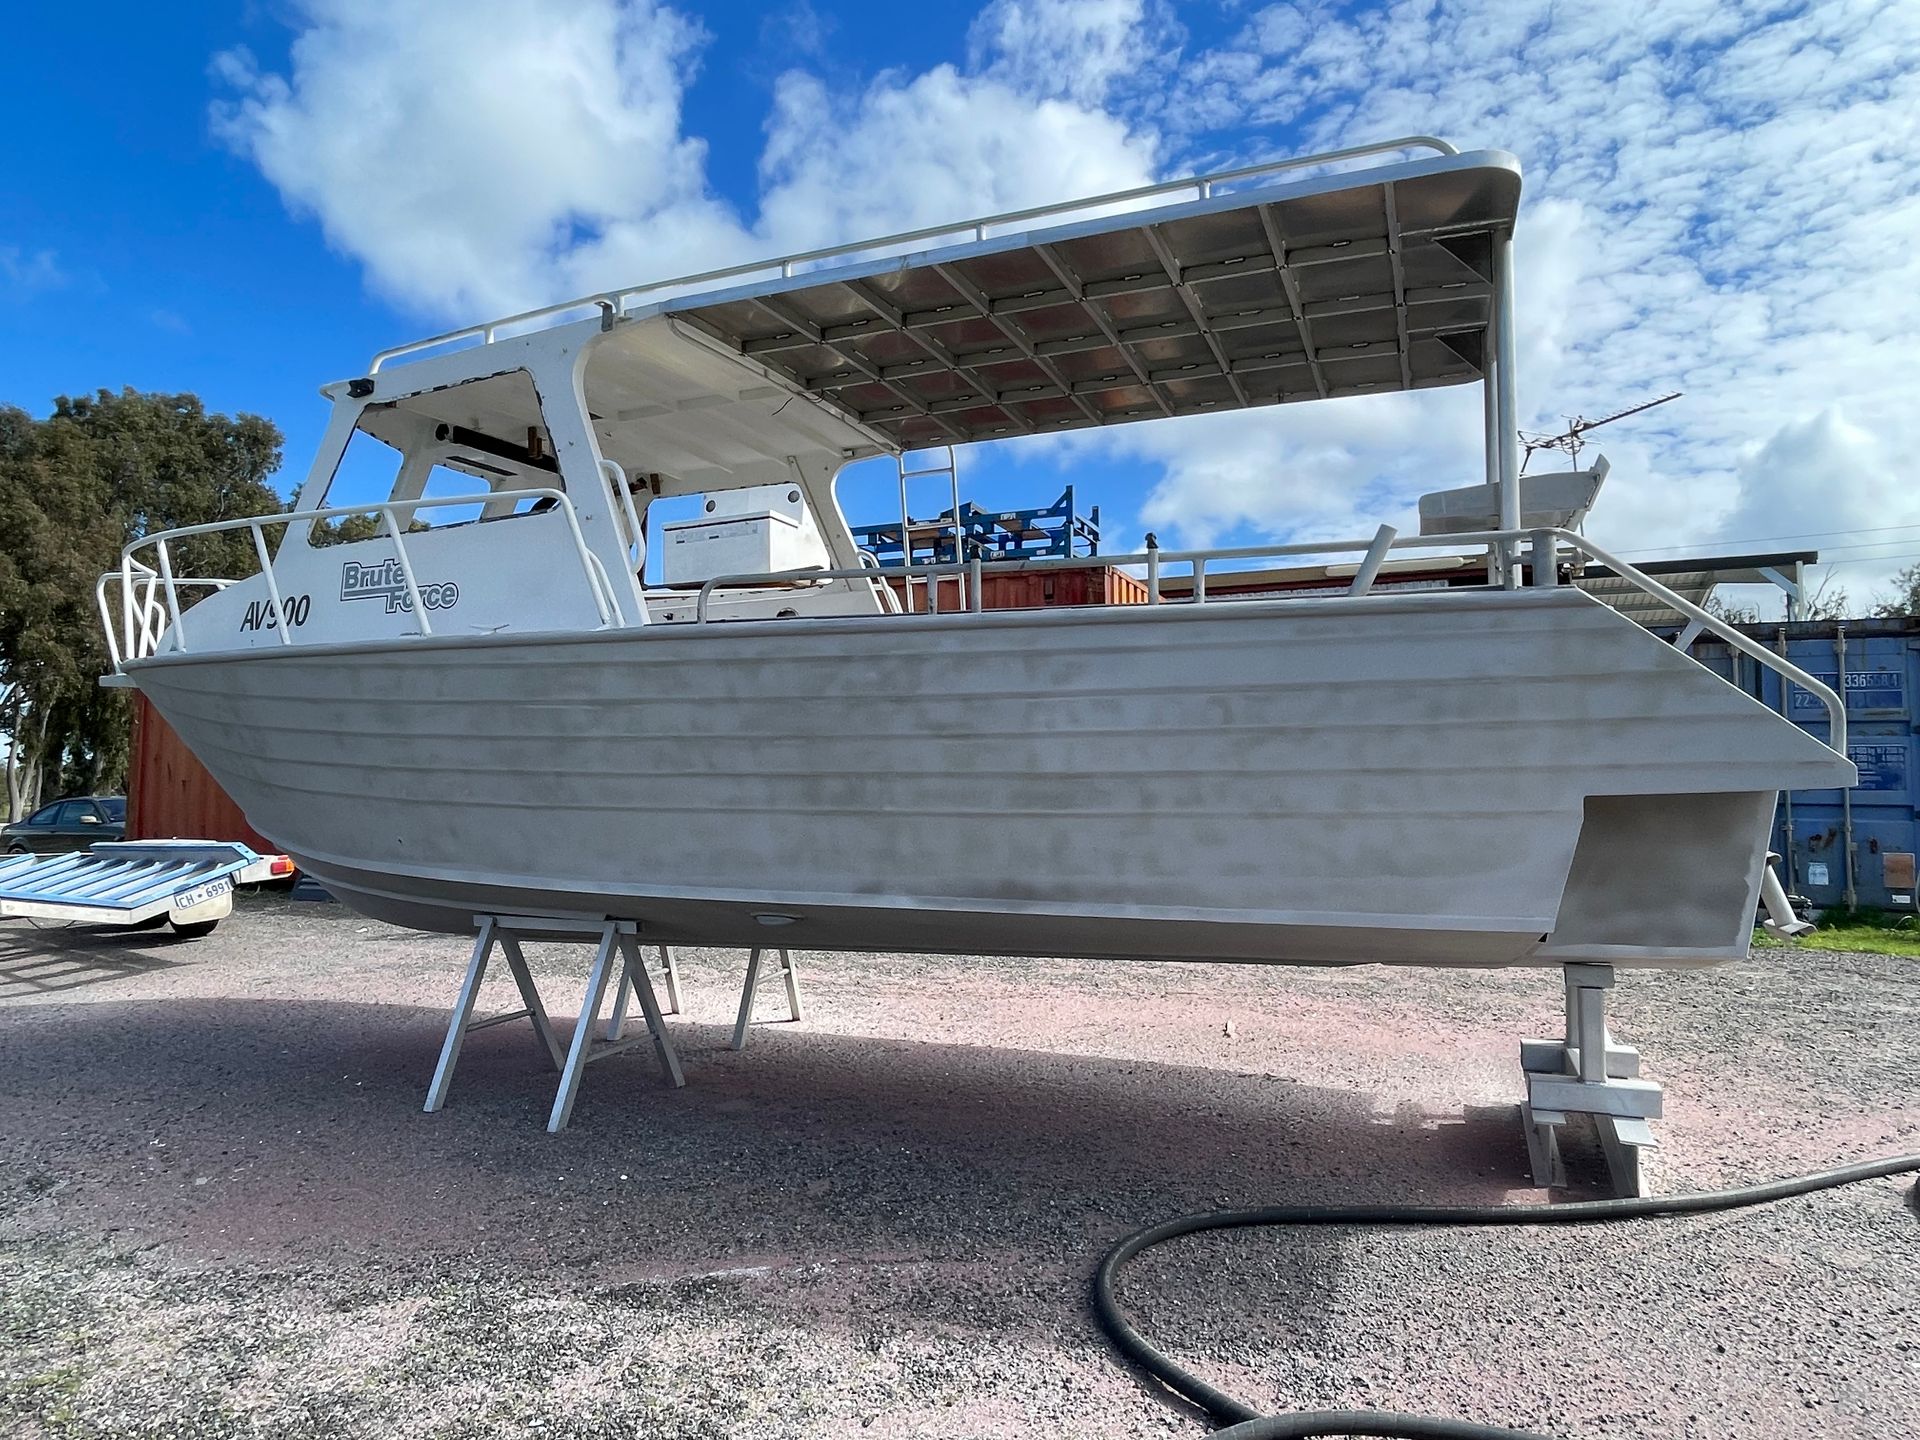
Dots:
{"x": 1871, "y": 931}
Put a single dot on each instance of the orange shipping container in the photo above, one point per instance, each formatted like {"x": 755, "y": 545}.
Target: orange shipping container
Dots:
{"x": 170, "y": 795}
{"x": 1037, "y": 589}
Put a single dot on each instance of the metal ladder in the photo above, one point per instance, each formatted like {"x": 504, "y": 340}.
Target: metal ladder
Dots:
{"x": 950, "y": 468}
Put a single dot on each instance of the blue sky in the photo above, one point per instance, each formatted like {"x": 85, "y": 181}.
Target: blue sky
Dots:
{"x": 141, "y": 252}
{"x": 138, "y": 249}
{"x": 247, "y": 200}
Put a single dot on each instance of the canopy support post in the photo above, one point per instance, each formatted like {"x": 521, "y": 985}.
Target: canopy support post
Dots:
{"x": 1490, "y": 416}
{"x": 1506, "y": 452}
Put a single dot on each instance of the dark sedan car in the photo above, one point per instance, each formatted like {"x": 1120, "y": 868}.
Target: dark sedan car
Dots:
{"x": 67, "y": 825}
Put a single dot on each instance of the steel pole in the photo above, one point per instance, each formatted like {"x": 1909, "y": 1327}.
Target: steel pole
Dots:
{"x": 1506, "y": 417}
{"x": 1851, "y": 893}
{"x": 1490, "y": 418}
{"x": 1786, "y": 796}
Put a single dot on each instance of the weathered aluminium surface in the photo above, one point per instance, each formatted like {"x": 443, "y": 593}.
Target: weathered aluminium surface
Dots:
{"x": 1474, "y": 777}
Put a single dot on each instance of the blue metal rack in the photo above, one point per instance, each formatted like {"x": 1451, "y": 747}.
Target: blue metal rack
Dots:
{"x": 1052, "y": 530}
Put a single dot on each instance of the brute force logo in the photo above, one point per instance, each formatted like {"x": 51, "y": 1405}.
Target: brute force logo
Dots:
{"x": 386, "y": 581}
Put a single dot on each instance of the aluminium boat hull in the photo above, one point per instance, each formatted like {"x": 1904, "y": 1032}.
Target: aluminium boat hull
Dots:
{"x": 1448, "y": 778}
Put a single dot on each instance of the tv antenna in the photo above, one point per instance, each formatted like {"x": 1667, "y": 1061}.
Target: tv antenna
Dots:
{"x": 1570, "y": 439}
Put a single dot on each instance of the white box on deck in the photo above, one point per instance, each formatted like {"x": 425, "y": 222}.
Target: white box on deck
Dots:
{"x": 742, "y": 532}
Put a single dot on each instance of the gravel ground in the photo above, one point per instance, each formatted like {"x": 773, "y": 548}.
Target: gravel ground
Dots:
{"x": 222, "y": 1212}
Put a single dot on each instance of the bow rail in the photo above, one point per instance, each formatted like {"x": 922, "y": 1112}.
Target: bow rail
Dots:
{"x": 150, "y": 605}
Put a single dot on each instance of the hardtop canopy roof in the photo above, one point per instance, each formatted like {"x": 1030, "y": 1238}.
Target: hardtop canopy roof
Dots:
{"x": 1124, "y": 307}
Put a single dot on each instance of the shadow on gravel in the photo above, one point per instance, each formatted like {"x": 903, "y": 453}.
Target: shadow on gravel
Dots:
{"x": 282, "y": 1129}
{"x": 44, "y": 959}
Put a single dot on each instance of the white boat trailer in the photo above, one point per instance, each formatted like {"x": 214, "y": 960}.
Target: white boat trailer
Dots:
{"x": 135, "y": 882}
{"x": 617, "y": 942}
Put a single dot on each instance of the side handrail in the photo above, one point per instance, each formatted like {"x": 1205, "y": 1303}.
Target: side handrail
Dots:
{"x": 617, "y": 302}
{"x": 136, "y": 576}
{"x": 1544, "y": 543}
{"x": 1836, "y": 708}
{"x": 616, "y": 476}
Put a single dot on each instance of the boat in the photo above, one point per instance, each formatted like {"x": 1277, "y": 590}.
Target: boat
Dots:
{"x": 490, "y": 703}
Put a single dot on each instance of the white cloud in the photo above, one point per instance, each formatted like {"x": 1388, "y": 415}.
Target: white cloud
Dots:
{"x": 489, "y": 157}
{"x": 467, "y": 153}
{"x": 1331, "y": 470}
{"x": 1826, "y": 476}
{"x": 939, "y": 147}
{"x": 25, "y": 273}
{"x": 1079, "y": 50}
{"x": 1720, "y": 200}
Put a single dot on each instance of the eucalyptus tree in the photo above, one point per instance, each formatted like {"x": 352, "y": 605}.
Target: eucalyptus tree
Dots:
{"x": 75, "y": 487}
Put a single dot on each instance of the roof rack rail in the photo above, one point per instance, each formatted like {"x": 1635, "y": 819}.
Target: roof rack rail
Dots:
{"x": 619, "y": 302}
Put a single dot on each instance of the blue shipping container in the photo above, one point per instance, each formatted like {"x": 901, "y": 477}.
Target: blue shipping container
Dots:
{"x": 1876, "y": 663}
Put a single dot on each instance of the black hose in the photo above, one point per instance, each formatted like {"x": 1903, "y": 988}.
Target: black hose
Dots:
{"x": 1245, "y": 1423}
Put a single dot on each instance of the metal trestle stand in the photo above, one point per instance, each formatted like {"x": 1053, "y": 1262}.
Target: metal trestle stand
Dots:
{"x": 667, "y": 973}
{"x": 617, "y": 943}
{"x": 751, "y": 990}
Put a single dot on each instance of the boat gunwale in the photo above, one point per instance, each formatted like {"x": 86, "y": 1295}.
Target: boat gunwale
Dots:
{"x": 1183, "y": 612}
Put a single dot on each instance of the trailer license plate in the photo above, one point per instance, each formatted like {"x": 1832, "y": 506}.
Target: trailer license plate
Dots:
{"x": 200, "y": 894}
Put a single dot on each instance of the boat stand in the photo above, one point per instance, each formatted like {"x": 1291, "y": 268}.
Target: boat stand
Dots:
{"x": 750, "y": 991}
{"x": 669, "y": 973}
{"x": 613, "y": 938}
{"x": 1587, "y": 1073}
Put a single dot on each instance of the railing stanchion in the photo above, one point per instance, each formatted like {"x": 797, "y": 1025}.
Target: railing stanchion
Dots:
{"x": 1371, "y": 562}
{"x": 257, "y": 530}
{"x": 173, "y": 597}
{"x": 106, "y": 621}
{"x": 1153, "y": 569}
{"x": 598, "y": 585}
{"x": 618, "y": 475}
{"x": 406, "y": 569}
{"x": 973, "y": 584}
{"x": 126, "y": 605}
{"x": 1200, "y": 580}
{"x": 1545, "y": 561}
{"x": 597, "y": 578}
